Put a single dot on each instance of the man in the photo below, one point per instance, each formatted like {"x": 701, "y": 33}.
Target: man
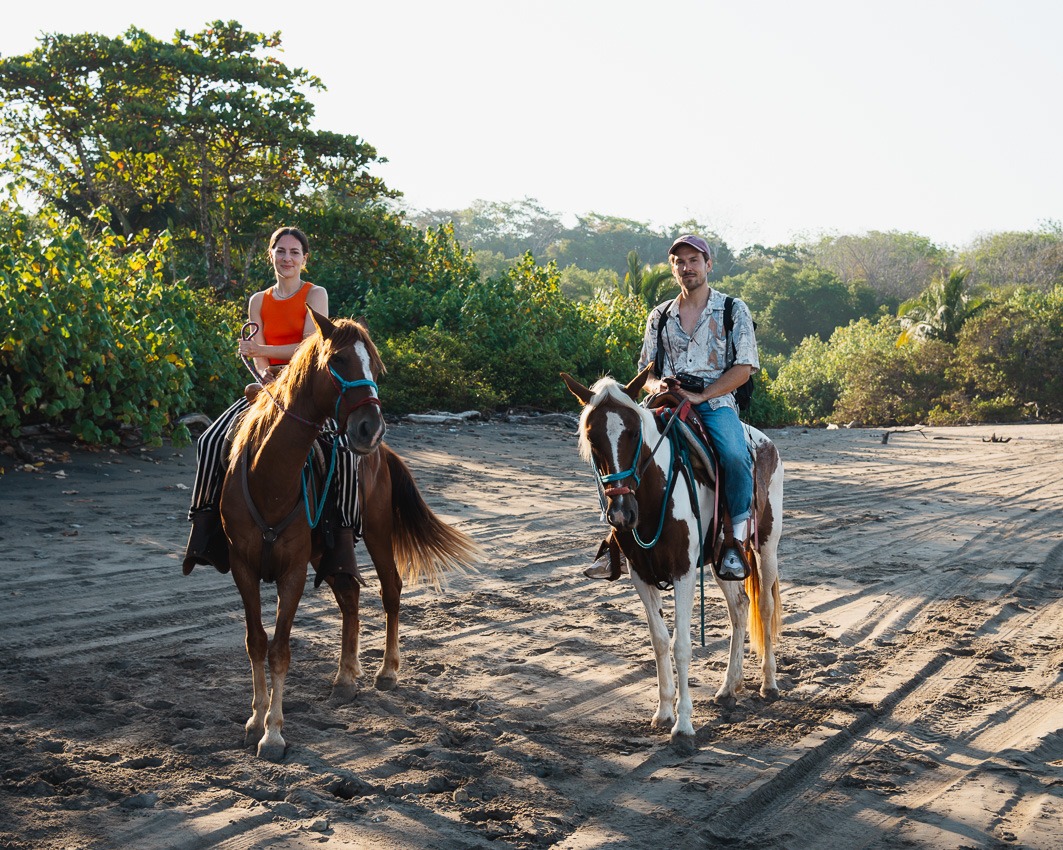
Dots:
{"x": 694, "y": 341}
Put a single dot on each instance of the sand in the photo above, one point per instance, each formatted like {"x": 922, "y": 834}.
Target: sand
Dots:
{"x": 921, "y": 665}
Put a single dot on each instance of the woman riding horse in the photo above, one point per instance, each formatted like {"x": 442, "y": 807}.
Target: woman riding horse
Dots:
{"x": 281, "y": 322}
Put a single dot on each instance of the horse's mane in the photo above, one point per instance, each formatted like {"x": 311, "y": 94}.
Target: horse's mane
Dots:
{"x": 313, "y": 353}
{"x": 604, "y": 389}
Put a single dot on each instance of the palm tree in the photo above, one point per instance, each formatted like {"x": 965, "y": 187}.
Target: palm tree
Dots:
{"x": 941, "y": 309}
{"x": 647, "y": 282}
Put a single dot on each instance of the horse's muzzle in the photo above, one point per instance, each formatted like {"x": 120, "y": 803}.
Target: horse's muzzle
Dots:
{"x": 622, "y": 512}
{"x": 365, "y": 429}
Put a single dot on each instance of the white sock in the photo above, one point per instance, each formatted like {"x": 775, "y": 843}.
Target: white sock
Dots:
{"x": 741, "y": 531}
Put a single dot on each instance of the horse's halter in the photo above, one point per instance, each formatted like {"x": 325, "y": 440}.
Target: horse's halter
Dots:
{"x": 342, "y": 385}
{"x": 249, "y": 329}
{"x": 632, "y": 472}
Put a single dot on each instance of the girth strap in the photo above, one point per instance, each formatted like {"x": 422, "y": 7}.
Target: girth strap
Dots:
{"x": 269, "y": 533}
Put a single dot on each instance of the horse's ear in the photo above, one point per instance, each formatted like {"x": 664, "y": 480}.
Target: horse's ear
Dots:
{"x": 576, "y": 388}
{"x": 364, "y": 322}
{"x": 635, "y": 387}
{"x": 322, "y": 323}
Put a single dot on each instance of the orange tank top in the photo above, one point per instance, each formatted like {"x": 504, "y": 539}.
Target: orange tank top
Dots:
{"x": 283, "y": 319}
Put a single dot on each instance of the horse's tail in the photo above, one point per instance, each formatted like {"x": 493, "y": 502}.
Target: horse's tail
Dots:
{"x": 756, "y": 624}
{"x": 425, "y": 547}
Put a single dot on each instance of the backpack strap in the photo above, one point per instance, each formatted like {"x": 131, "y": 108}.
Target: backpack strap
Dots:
{"x": 658, "y": 359}
{"x": 728, "y": 328}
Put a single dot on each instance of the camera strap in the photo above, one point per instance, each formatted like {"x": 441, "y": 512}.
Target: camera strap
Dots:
{"x": 658, "y": 360}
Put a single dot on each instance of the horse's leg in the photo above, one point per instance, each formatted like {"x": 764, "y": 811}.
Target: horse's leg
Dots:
{"x": 770, "y": 615}
{"x": 769, "y": 469}
{"x": 378, "y": 544}
{"x": 734, "y": 595}
{"x": 651, "y": 601}
{"x": 681, "y": 652}
{"x": 256, "y": 649}
{"x": 289, "y": 592}
{"x": 346, "y": 682}
{"x": 378, "y": 525}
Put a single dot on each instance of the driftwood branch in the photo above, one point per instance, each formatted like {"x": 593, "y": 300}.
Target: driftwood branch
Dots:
{"x": 886, "y": 434}
{"x": 996, "y": 439}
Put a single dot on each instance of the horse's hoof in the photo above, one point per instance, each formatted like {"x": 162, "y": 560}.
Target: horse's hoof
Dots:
{"x": 386, "y": 681}
{"x": 769, "y": 694}
{"x": 659, "y": 723}
{"x": 271, "y": 750}
{"x": 683, "y": 744}
{"x": 345, "y": 692}
{"x": 725, "y": 701}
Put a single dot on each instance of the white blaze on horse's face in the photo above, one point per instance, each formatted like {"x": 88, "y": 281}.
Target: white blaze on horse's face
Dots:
{"x": 363, "y": 358}
{"x": 622, "y": 510}
{"x": 614, "y": 429}
{"x": 365, "y": 425}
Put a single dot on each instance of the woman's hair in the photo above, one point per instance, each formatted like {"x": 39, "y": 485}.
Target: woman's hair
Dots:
{"x": 288, "y": 231}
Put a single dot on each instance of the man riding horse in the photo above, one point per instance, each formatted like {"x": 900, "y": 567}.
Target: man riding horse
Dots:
{"x": 701, "y": 362}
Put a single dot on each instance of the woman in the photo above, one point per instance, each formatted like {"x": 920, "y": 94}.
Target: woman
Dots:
{"x": 283, "y": 323}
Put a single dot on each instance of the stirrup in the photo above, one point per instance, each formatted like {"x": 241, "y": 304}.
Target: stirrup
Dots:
{"x": 731, "y": 574}
{"x": 340, "y": 560}
{"x": 206, "y": 545}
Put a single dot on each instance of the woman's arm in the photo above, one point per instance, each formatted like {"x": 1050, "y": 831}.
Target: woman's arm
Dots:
{"x": 317, "y": 298}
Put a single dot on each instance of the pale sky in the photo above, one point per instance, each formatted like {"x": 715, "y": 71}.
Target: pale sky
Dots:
{"x": 767, "y": 121}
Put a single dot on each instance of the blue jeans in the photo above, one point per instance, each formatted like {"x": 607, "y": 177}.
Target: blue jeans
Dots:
{"x": 729, "y": 438}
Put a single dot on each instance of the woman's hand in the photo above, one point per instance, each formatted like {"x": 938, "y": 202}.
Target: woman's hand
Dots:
{"x": 250, "y": 348}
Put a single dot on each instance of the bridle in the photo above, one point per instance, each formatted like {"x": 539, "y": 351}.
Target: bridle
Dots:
{"x": 249, "y": 329}
{"x": 342, "y": 385}
{"x": 634, "y": 471}
{"x": 681, "y": 461}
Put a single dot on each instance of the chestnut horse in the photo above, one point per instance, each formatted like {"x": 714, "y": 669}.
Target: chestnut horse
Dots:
{"x": 266, "y": 513}
{"x": 664, "y": 540}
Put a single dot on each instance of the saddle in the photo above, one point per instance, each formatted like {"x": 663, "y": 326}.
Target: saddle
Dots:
{"x": 324, "y": 534}
{"x": 688, "y": 424}
{"x": 676, "y": 413}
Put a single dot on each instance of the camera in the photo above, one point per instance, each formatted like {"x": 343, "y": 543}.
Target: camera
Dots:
{"x": 691, "y": 383}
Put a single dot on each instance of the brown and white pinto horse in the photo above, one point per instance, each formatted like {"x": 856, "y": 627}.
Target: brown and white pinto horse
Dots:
{"x": 621, "y": 439}
{"x": 332, "y": 374}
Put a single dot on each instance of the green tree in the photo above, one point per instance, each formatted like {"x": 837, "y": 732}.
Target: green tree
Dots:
{"x": 511, "y": 228}
{"x": 649, "y": 283}
{"x": 942, "y": 309}
{"x": 581, "y": 285}
{"x": 791, "y": 302}
{"x": 1032, "y": 259}
{"x": 1010, "y": 356}
{"x": 95, "y": 338}
{"x": 208, "y": 134}
{"x": 859, "y": 373}
{"x": 896, "y": 265}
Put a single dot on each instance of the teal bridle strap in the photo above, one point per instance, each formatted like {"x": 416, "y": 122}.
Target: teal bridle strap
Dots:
{"x": 633, "y": 472}
{"x": 342, "y": 385}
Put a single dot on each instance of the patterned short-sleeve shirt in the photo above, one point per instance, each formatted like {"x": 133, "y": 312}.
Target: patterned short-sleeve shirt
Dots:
{"x": 705, "y": 351}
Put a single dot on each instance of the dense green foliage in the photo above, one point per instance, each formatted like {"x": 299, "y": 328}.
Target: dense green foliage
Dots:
{"x": 509, "y": 335}
{"x": 207, "y": 135}
{"x": 157, "y": 170}
{"x": 96, "y": 339}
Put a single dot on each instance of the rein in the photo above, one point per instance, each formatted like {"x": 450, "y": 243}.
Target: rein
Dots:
{"x": 249, "y": 329}
{"x": 342, "y": 385}
{"x": 680, "y": 461}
